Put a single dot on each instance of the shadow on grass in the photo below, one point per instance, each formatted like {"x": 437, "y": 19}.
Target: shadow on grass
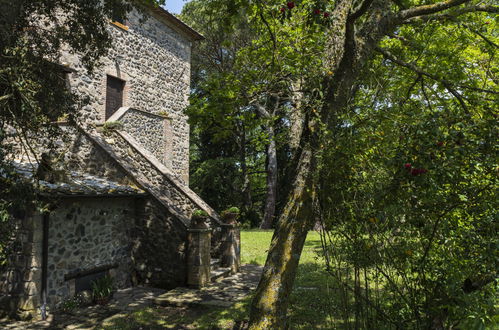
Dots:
{"x": 194, "y": 317}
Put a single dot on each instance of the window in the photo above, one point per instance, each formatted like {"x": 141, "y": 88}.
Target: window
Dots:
{"x": 114, "y": 95}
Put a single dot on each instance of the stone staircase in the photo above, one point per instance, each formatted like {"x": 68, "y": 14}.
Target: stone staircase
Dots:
{"x": 217, "y": 272}
{"x": 222, "y": 293}
{"x": 180, "y": 201}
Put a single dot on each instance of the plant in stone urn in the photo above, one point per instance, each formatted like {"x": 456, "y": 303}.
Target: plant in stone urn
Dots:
{"x": 199, "y": 219}
{"x": 230, "y": 215}
{"x": 102, "y": 289}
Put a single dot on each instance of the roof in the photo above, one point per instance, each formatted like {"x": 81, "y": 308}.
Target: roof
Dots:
{"x": 77, "y": 184}
{"x": 175, "y": 23}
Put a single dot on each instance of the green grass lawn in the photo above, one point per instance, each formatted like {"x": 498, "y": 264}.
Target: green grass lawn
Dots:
{"x": 309, "y": 301}
{"x": 317, "y": 302}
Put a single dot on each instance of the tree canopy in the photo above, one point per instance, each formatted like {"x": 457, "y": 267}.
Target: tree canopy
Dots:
{"x": 394, "y": 106}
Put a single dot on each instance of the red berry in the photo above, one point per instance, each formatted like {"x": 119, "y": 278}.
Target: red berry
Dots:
{"x": 317, "y": 11}
{"x": 407, "y": 165}
{"x": 326, "y": 15}
{"x": 283, "y": 9}
{"x": 291, "y": 5}
{"x": 440, "y": 143}
{"x": 487, "y": 22}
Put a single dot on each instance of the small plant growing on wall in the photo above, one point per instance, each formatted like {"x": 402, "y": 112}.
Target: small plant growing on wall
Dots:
{"x": 199, "y": 214}
{"x": 112, "y": 126}
{"x": 230, "y": 215}
{"x": 199, "y": 218}
{"x": 164, "y": 114}
{"x": 102, "y": 289}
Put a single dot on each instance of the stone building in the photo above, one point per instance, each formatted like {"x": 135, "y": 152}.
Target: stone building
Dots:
{"x": 122, "y": 206}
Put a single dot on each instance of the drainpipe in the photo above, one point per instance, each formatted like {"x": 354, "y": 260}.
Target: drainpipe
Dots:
{"x": 45, "y": 250}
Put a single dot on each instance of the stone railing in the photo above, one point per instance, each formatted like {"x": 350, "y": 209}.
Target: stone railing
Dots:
{"x": 152, "y": 175}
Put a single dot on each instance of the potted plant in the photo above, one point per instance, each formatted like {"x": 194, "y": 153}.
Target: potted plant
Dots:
{"x": 199, "y": 219}
{"x": 230, "y": 215}
{"x": 102, "y": 290}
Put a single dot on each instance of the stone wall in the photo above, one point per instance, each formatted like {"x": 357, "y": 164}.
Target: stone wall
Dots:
{"x": 80, "y": 154}
{"x": 154, "y": 62}
{"x": 153, "y": 132}
{"x": 20, "y": 278}
{"x": 159, "y": 248}
{"x": 85, "y": 233}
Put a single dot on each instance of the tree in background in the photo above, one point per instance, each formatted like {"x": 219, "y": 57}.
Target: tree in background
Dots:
{"x": 33, "y": 90}
{"x": 244, "y": 109}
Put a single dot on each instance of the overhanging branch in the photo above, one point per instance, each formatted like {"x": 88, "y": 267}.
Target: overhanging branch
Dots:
{"x": 419, "y": 71}
{"x": 428, "y": 9}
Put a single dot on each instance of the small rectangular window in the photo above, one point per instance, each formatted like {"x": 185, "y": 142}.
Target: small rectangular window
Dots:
{"x": 114, "y": 95}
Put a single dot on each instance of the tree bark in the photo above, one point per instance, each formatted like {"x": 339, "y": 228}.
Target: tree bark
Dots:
{"x": 349, "y": 48}
{"x": 246, "y": 188}
{"x": 270, "y": 200}
{"x": 269, "y": 307}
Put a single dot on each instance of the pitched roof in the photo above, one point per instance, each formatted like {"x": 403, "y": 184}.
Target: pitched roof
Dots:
{"x": 176, "y": 24}
{"x": 77, "y": 183}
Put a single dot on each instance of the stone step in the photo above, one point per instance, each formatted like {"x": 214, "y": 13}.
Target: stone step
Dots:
{"x": 222, "y": 293}
{"x": 219, "y": 273}
{"x": 215, "y": 263}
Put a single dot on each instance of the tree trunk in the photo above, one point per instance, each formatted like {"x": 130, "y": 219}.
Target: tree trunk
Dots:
{"x": 270, "y": 200}
{"x": 344, "y": 56}
{"x": 246, "y": 188}
{"x": 268, "y": 310}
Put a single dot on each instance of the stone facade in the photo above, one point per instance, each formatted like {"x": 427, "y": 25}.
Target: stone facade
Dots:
{"x": 127, "y": 215}
{"x": 153, "y": 60}
{"x": 20, "y": 279}
{"x": 153, "y": 132}
{"x": 85, "y": 233}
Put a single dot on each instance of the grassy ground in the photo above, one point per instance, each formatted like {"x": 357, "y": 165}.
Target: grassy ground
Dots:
{"x": 309, "y": 301}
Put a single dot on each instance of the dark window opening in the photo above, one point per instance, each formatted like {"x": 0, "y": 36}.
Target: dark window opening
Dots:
{"x": 114, "y": 95}
{"x": 84, "y": 283}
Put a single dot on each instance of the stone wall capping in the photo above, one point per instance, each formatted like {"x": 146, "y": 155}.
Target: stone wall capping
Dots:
{"x": 121, "y": 112}
{"x": 165, "y": 171}
{"x": 128, "y": 168}
{"x": 199, "y": 230}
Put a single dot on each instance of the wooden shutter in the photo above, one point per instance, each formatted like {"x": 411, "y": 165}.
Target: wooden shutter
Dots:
{"x": 114, "y": 95}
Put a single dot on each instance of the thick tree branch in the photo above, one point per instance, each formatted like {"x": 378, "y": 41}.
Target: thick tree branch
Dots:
{"x": 455, "y": 13}
{"x": 428, "y": 9}
{"x": 447, "y": 84}
{"x": 361, "y": 10}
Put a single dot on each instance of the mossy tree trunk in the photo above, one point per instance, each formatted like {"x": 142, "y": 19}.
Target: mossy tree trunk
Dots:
{"x": 268, "y": 310}
{"x": 352, "y": 40}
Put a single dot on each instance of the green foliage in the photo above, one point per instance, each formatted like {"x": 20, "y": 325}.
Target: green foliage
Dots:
{"x": 103, "y": 287}
{"x": 112, "y": 126}
{"x": 407, "y": 169}
{"x": 200, "y": 214}
{"x": 408, "y": 182}
{"x": 70, "y": 304}
{"x": 232, "y": 209}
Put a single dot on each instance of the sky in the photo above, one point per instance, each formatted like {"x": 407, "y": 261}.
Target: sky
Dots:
{"x": 175, "y": 6}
